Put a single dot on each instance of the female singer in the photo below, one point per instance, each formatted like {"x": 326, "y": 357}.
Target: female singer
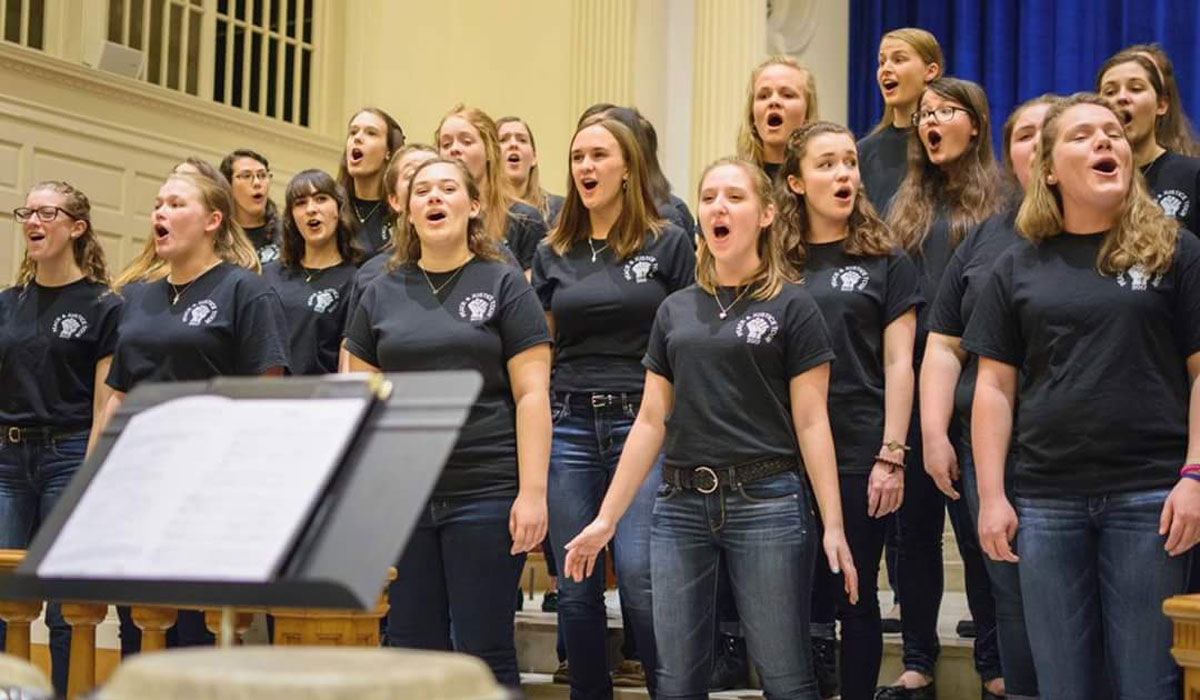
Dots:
{"x": 315, "y": 270}
{"x": 249, "y": 174}
{"x": 740, "y": 363}
{"x": 1098, "y": 313}
{"x": 521, "y": 168}
{"x": 58, "y": 328}
{"x": 948, "y": 385}
{"x": 468, "y": 134}
{"x": 601, "y": 276}
{"x": 448, "y": 301}
{"x": 372, "y": 136}
{"x": 781, "y": 96}
{"x": 868, "y": 295}
{"x": 952, "y": 185}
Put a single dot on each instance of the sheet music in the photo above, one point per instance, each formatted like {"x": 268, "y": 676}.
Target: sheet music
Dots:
{"x": 205, "y": 488}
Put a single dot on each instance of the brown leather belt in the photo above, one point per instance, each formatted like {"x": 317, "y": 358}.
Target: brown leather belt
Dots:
{"x": 706, "y": 479}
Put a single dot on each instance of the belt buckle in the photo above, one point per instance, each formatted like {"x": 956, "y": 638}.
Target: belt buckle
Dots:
{"x": 601, "y": 400}
{"x": 709, "y": 474}
{"x": 14, "y": 434}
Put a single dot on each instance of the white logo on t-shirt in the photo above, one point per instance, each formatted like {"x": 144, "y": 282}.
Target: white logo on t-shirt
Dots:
{"x": 477, "y": 307}
{"x": 1174, "y": 203}
{"x": 202, "y": 312}
{"x": 323, "y": 301}
{"x": 1137, "y": 278}
{"x": 641, "y": 268}
{"x": 69, "y": 325}
{"x": 850, "y": 279}
{"x": 268, "y": 253}
{"x": 758, "y": 328}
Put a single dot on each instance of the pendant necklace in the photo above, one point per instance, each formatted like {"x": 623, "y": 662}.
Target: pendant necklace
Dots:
{"x": 363, "y": 219}
{"x": 724, "y": 310}
{"x": 176, "y": 292}
{"x": 597, "y": 251}
{"x": 437, "y": 290}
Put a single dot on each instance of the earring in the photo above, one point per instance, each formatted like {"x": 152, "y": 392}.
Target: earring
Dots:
{"x": 1051, "y": 180}
{"x": 624, "y": 184}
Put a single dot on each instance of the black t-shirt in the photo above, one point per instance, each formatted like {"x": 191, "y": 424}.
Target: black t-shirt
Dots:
{"x": 964, "y": 280}
{"x": 227, "y": 321}
{"x": 858, "y": 297}
{"x": 931, "y": 263}
{"x": 525, "y": 229}
{"x": 373, "y": 232}
{"x": 772, "y": 170}
{"x": 314, "y": 303}
{"x": 484, "y": 317}
{"x": 265, "y": 242}
{"x": 50, "y": 341}
{"x": 554, "y": 205}
{"x": 1103, "y": 391}
{"x": 1174, "y": 180}
{"x": 676, "y": 212}
{"x": 883, "y": 162}
{"x": 603, "y": 310}
{"x": 731, "y": 376}
{"x": 367, "y": 273}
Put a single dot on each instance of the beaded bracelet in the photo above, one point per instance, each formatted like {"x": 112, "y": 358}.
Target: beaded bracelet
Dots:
{"x": 891, "y": 463}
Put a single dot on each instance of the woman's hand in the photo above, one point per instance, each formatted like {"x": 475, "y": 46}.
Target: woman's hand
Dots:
{"x": 885, "y": 490}
{"x": 941, "y": 463}
{"x": 1180, "y": 520}
{"x": 527, "y": 521}
{"x": 837, "y": 552}
{"x": 997, "y": 528}
{"x": 583, "y": 550}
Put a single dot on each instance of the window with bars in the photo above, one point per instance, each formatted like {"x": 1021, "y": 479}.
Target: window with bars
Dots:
{"x": 23, "y": 22}
{"x": 255, "y": 55}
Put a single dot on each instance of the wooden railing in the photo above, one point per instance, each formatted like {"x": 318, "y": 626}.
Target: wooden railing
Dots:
{"x": 293, "y": 626}
{"x": 1184, "y": 611}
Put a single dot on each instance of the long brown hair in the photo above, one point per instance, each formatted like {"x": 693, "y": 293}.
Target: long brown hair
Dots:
{"x": 272, "y": 218}
{"x": 1144, "y": 235}
{"x": 499, "y": 197}
{"x": 927, "y": 48}
{"x": 750, "y": 144}
{"x": 639, "y": 215}
{"x": 969, "y": 197}
{"x": 408, "y": 242}
{"x": 85, "y": 249}
{"x": 1013, "y": 186}
{"x": 772, "y": 271}
{"x": 229, "y": 240}
{"x": 307, "y": 183}
{"x": 867, "y": 235}
{"x": 393, "y": 136}
{"x": 533, "y": 194}
{"x": 1173, "y": 130}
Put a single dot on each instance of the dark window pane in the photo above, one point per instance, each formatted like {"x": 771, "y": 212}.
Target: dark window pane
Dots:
{"x": 239, "y": 65}
{"x": 154, "y": 68}
{"x": 258, "y": 13}
{"x": 116, "y": 19}
{"x": 240, "y": 10}
{"x": 291, "y": 17}
{"x": 275, "y": 15}
{"x": 254, "y": 69}
{"x": 219, "y": 61}
{"x": 136, "y": 22}
{"x": 193, "y": 52}
{"x": 289, "y": 79}
{"x": 272, "y": 76}
{"x": 223, "y": 6}
{"x": 175, "y": 46}
{"x": 308, "y": 16}
{"x": 305, "y": 75}
{"x": 37, "y": 19}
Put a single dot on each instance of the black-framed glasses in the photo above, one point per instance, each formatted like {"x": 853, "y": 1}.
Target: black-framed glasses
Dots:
{"x": 46, "y": 214}
{"x": 251, "y": 176}
{"x": 941, "y": 115}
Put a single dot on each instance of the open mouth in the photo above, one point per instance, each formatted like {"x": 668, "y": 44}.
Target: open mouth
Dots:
{"x": 934, "y": 138}
{"x": 435, "y": 216}
{"x": 589, "y": 184}
{"x": 160, "y": 231}
{"x": 844, "y": 193}
{"x": 356, "y": 154}
{"x": 720, "y": 231}
{"x": 313, "y": 224}
{"x": 890, "y": 84}
{"x": 774, "y": 120}
{"x": 259, "y": 196}
{"x": 1126, "y": 116}
{"x": 514, "y": 158}
{"x": 1106, "y": 165}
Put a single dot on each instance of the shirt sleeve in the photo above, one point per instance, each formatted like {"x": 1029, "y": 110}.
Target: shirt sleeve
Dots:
{"x": 656, "y": 358}
{"x": 1187, "y": 293}
{"x": 521, "y": 318}
{"x": 994, "y": 330}
{"x": 118, "y": 372}
{"x": 903, "y": 287}
{"x": 361, "y": 340}
{"x": 524, "y": 233}
{"x": 542, "y": 284}
{"x": 261, "y": 334}
{"x": 945, "y": 314}
{"x": 681, "y": 272}
{"x": 808, "y": 342}
{"x": 110, "y": 317}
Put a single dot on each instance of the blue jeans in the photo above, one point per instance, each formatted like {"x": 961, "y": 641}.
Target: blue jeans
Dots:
{"x": 766, "y": 534}
{"x": 1094, "y": 576}
{"x": 583, "y": 458}
{"x": 32, "y": 476}
{"x": 457, "y": 567}
{"x": 1012, "y": 638}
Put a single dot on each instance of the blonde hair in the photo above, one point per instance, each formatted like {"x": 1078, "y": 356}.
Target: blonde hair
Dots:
{"x": 639, "y": 215}
{"x": 229, "y": 240}
{"x": 927, "y": 48}
{"x": 772, "y": 272}
{"x": 408, "y": 242}
{"x": 499, "y": 197}
{"x": 88, "y": 254}
{"x": 1143, "y": 235}
{"x": 750, "y": 143}
{"x": 867, "y": 234}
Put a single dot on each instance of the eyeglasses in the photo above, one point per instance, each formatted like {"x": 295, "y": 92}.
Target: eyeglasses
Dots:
{"x": 46, "y": 214}
{"x": 941, "y": 115}
{"x": 247, "y": 176}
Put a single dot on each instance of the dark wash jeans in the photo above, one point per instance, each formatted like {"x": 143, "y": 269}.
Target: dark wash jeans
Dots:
{"x": 1094, "y": 575}
{"x": 1012, "y": 638}
{"x": 767, "y": 536}
{"x": 588, "y": 439}
{"x": 32, "y": 477}
{"x": 457, "y": 567}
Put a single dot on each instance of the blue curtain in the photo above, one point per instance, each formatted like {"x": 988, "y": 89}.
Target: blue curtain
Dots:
{"x": 1018, "y": 49}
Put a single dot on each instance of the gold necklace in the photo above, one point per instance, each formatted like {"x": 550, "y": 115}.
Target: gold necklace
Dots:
{"x": 724, "y": 310}
{"x": 176, "y": 292}
{"x": 596, "y": 252}
{"x": 437, "y": 290}
{"x": 363, "y": 219}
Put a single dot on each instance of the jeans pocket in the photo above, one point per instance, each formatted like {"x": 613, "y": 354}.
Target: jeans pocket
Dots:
{"x": 666, "y": 491}
{"x": 559, "y": 407}
{"x": 70, "y": 447}
{"x": 785, "y": 486}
